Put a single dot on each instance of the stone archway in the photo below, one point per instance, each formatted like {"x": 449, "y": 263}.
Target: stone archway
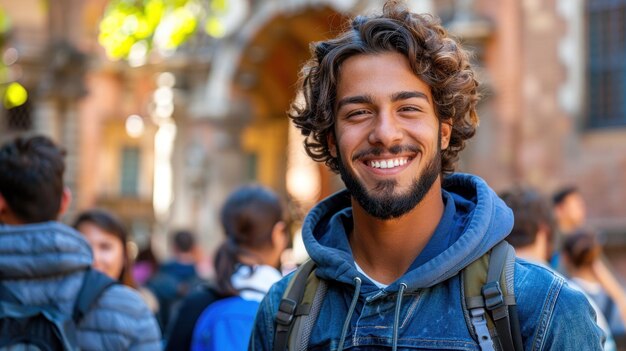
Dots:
{"x": 267, "y": 79}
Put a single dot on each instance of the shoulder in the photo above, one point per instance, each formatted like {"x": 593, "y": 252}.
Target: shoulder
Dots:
{"x": 274, "y": 295}
{"x": 264, "y": 325}
{"x": 124, "y": 301}
{"x": 120, "y": 317}
{"x": 549, "y": 309}
{"x": 534, "y": 280}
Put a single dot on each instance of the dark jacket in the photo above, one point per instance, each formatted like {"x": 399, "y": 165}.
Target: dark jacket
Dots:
{"x": 180, "y": 330}
{"x": 172, "y": 282}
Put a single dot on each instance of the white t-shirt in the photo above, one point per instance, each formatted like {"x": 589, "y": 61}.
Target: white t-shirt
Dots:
{"x": 378, "y": 284}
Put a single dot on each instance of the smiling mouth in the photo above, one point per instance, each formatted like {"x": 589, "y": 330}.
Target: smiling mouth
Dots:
{"x": 389, "y": 163}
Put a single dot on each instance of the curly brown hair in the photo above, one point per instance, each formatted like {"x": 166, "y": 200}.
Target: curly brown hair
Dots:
{"x": 434, "y": 57}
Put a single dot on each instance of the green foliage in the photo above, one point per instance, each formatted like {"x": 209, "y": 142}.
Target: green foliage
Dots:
{"x": 5, "y": 26}
{"x": 140, "y": 25}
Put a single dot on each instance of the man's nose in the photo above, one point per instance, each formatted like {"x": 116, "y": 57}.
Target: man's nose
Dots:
{"x": 386, "y": 130}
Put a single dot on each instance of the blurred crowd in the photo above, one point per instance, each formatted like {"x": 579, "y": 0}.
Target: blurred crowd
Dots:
{"x": 142, "y": 304}
{"x": 552, "y": 231}
{"x": 168, "y": 305}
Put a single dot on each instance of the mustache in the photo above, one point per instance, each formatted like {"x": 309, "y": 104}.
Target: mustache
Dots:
{"x": 394, "y": 150}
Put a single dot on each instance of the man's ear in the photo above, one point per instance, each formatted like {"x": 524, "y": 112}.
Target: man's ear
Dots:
{"x": 66, "y": 199}
{"x": 4, "y": 208}
{"x": 332, "y": 144}
{"x": 6, "y": 214}
{"x": 446, "y": 132}
{"x": 279, "y": 235}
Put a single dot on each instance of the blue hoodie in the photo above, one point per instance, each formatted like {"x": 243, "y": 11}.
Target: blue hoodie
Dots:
{"x": 422, "y": 309}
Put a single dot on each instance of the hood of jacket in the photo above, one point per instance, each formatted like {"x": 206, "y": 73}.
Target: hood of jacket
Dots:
{"x": 253, "y": 282}
{"x": 483, "y": 217}
{"x": 41, "y": 250}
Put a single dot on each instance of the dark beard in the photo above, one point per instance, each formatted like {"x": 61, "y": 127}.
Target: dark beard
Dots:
{"x": 387, "y": 205}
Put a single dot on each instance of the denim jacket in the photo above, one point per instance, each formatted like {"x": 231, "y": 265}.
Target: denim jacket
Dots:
{"x": 422, "y": 310}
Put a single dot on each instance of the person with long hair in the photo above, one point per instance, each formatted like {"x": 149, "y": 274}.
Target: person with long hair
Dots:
{"x": 582, "y": 254}
{"x": 246, "y": 264}
{"x": 108, "y": 239}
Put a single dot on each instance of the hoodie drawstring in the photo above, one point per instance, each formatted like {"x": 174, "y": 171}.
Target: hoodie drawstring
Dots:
{"x": 396, "y": 317}
{"x": 346, "y": 323}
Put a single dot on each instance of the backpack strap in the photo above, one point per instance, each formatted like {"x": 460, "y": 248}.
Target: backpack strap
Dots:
{"x": 293, "y": 304}
{"x": 495, "y": 291}
{"x": 94, "y": 284}
{"x": 307, "y": 313}
{"x": 488, "y": 287}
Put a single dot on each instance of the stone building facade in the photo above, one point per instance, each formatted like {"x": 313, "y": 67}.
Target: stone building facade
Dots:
{"x": 553, "y": 111}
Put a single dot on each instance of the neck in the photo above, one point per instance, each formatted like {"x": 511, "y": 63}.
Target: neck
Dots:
{"x": 261, "y": 256}
{"x": 538, "y": 250}
{"x": 186, "y": 257}
{"x": 531, "y": 253}
{"x": 567, "y": 226}
{"x": 586, "y": 273}
{"x": 385, "y": 249}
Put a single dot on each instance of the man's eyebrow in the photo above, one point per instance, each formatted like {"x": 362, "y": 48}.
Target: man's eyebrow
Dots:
{"x": 405, "y": 95}
{"x": 359, "y": 99}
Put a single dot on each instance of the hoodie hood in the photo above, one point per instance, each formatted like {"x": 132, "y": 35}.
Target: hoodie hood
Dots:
{"x": 253, "y": 283}
{"x": 481, "y": 216}
{"x": 41, "y": 250}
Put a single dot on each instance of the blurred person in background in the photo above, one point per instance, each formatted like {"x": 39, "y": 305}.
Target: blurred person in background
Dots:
{"x": 582, "y": 254}
{"x": 533, "y": 236}
{"x": 533, "y": 230}
{"x": 571, "y": 216}
{"x": 175, "y": 278}
{"x": 569, "y": 213}
{"x": 108, "y": 239}
{"x": 145, "y": 266}
{"x": 44, "y": 262}
{"x": 569, "y": 209}
{"x": 246, "y": 264}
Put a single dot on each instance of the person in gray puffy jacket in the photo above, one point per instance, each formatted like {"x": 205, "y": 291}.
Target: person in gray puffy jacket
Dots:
{"x": 43, "y": 261}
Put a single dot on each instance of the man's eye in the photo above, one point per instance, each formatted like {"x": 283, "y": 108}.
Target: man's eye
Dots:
{"x": 357, "y": 113}
{"x": 410, "y": 109}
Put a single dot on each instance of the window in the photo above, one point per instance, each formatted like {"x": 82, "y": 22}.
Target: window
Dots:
{"x": 606, "y": 30}
{"x": 129, "y": 180}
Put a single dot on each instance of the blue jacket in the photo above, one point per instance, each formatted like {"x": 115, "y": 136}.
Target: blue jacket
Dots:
{"x": 45, "y": 263}
{"x": 552, "y": 315}
{"x": 227, "y": 324}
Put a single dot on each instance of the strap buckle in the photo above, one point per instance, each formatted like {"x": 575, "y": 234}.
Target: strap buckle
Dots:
{"x": 493, "y": 295}
{"x": 286, "y": 310}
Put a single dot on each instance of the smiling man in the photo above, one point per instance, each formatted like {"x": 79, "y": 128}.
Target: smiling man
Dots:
{"x": 389, "y": 105}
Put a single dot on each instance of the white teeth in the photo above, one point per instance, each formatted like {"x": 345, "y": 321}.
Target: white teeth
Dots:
{"x": 384, "y": 164}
